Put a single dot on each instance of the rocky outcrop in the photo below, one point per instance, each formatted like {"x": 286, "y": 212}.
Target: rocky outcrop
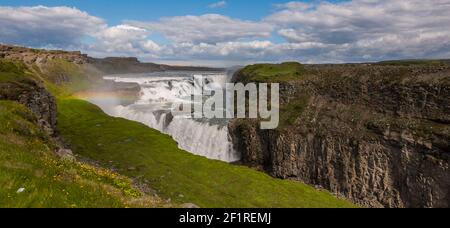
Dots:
{"x": 39, "y": 57}
{"x": 377, "y": 135}
{"x": 34, "y": 96}
{"x": 17, "y": 83}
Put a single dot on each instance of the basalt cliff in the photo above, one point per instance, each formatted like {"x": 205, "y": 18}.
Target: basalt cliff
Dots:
{"x": 377, "y": 134}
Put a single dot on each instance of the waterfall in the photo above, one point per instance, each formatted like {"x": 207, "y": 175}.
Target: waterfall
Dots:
{"x": 208, "y": 138}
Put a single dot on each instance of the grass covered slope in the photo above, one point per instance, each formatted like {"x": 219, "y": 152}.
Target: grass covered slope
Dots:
{"x": 11, "y": 71}
{"x": 138, "y": 151}
{"x": 32, "y": 176}
{"x": 270, "y": 72}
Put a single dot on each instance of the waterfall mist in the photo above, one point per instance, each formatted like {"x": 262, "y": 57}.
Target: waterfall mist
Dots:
{"x": 204, "y": 137}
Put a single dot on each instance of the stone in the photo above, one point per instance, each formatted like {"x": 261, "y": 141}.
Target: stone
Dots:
{"x": 65, "y": 154}
{"x": 189, "y": 206}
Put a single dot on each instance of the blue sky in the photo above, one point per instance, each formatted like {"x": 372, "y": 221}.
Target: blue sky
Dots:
{"x": 214, "y": 32}
{"x": 117, "y": 10}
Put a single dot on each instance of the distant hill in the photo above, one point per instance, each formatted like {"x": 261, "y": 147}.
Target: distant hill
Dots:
{"x": 118, "y": 65}
{"x": 109, "y": 65}
{"x": 407, "y": 62}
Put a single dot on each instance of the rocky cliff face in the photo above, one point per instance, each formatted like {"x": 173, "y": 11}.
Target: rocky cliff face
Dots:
{"x": 21, "y": 83}
{"x": 34, "y": 96}
{"x": 377, "y": 135}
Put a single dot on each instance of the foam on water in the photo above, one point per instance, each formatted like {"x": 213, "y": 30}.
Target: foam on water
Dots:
{"x": 209, "y": 138}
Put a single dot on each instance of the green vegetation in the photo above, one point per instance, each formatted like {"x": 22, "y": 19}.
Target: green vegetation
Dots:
{"x": 138, "y": 151}
{"x": 32, "y": 176}
{"x": 291, "y": 111}
{"x": 272, "y": 72}
{"x": 283, "y": 72}
{"x": 67, "y": 77}
{"x": 11, "y": 71}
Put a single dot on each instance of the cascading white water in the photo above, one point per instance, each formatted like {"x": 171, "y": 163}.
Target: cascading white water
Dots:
{"x": 209, "y": 138}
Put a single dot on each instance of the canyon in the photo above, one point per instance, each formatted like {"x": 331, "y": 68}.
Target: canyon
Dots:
{"x": 91, "y": 159}
{"x": 377, "y": 134}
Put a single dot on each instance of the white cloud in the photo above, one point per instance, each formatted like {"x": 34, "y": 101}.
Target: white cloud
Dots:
{"x": 358, "y": 30}
{"x": 68, "y": 28}
{"x": 125, "y": 40}
{"x": 295, "y": 6}
{"x": 227, "y": 50}
{"x": 151, "y": 46}
{"x": 122, "y": 32}
{"x": 208, "y": 28}
{"x": 46, "y": 26}
{"x": 363, "y": 30}
{"x": 221, "y": 4}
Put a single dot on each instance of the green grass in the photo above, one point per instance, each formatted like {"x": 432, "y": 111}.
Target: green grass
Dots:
{"x": 67, "y": 76}
{"x": 272, "y": 72}
{"x": 11, "y": 71}
{"x": 291, "y": 111}
{"x": 27, "y": 161}
{"x": 138, "y": 151}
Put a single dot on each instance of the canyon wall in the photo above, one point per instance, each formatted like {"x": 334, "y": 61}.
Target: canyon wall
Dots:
{"x": 378, "y": 135}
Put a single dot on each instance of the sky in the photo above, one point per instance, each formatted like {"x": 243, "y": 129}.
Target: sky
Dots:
{"x": 233, "y": 32}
